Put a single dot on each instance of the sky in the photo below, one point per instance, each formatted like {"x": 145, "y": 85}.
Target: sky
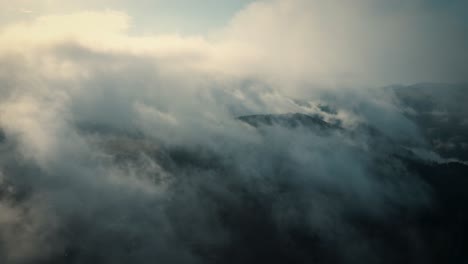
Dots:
{"x": 160, "y": 16}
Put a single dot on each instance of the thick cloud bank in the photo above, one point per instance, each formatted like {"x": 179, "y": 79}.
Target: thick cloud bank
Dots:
{"x": 232, "y": 148}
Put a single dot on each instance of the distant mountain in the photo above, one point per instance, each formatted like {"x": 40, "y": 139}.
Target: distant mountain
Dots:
{"x": 441, "y": 111}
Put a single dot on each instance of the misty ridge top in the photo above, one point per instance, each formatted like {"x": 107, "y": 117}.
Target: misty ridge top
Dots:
{"x": 446, "y": 138}
{"x": 437, "y": 109}
{"x": 292, "y": 120}
{"x": 435, "y": 97}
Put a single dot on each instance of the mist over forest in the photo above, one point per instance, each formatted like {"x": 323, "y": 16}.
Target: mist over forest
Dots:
{"x": 293, "y": 132}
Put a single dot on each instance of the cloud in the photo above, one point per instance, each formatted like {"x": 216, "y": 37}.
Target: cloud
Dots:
{"x": 325, "y": 44}
{"x": 348, "y": 43}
